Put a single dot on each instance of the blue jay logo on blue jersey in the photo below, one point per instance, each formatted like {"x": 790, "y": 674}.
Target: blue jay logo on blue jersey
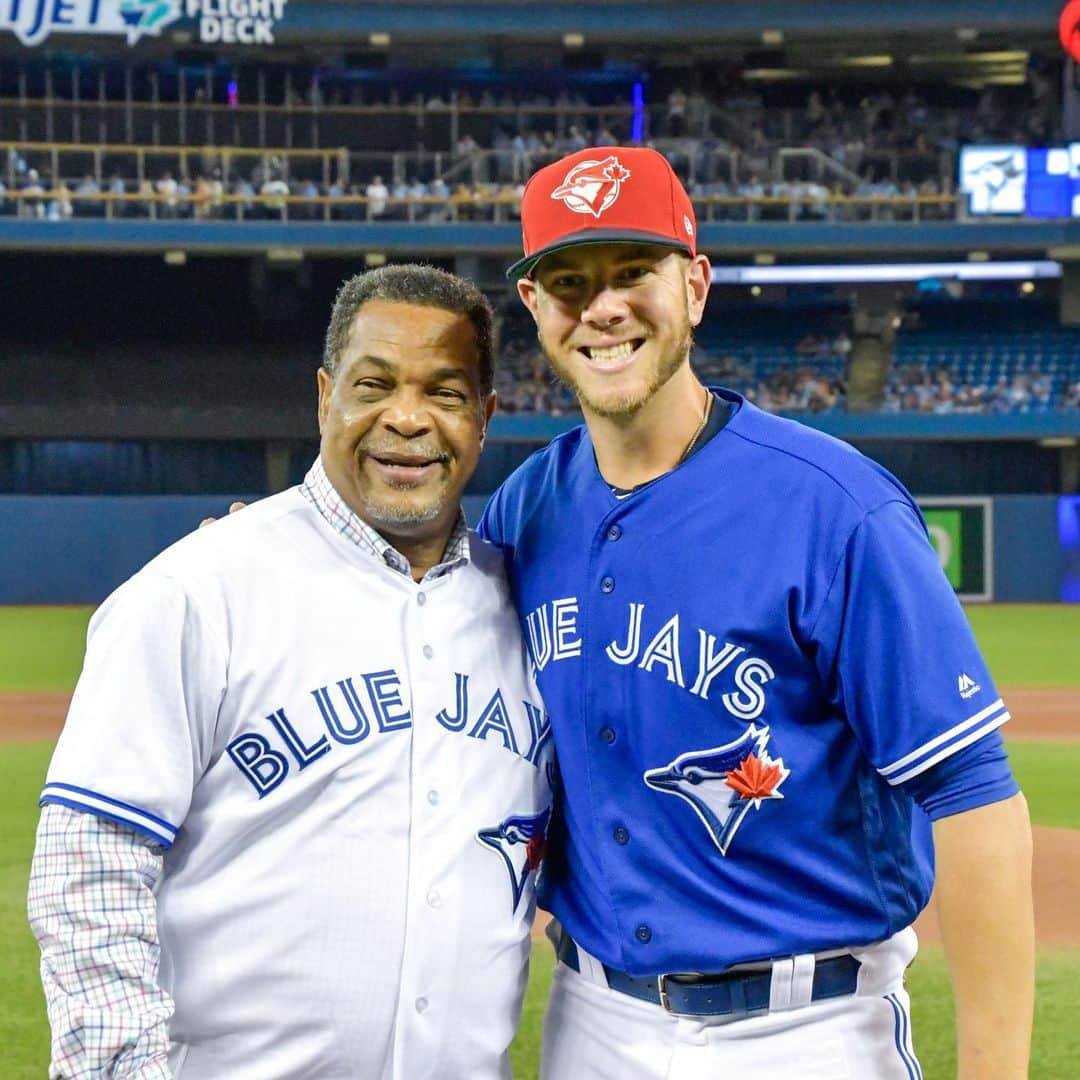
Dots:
{"x": 519, "y": 842}
{"x": 723, "y": 783}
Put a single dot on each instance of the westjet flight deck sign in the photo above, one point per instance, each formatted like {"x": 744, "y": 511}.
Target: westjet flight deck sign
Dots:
{"x": 228, "y": 22}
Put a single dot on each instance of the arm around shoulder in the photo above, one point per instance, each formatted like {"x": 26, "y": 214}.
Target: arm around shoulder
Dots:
{"x": 984, "y": 900}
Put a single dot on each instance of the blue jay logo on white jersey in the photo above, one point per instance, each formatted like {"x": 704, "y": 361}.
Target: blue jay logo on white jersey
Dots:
{"x": 519, "y": 842}
{"x": 723, "y": 783}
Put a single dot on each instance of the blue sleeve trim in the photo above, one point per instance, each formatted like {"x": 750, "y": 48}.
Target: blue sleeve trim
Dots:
{"x": 94, "y": 802}
{"x": 968, "y": 732}
{"x": 56, "y": 800}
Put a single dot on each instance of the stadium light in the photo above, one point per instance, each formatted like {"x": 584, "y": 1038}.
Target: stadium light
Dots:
{"x": 874, "y": 61}
{"x": 885, "y": 272}
{"x": 637, "y": 124}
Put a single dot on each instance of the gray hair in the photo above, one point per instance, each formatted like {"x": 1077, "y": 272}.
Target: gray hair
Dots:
{"x": 413, "y": 283}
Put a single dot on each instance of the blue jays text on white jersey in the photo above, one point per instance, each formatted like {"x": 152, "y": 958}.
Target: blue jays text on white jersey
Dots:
{"x": 742, "y": 676}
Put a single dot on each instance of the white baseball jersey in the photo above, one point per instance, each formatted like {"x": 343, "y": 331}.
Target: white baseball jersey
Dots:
{"x": 351, "y": 772}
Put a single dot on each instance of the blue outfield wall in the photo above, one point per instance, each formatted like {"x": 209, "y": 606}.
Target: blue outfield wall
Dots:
{"x": 1029, "y": 563}
{"x": 75, "y": 549}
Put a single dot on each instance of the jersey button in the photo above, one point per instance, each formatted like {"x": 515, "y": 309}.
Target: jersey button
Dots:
{"x": 421, "y": 599}
{"x": 429, "y": 652}
{"x": 614, "y": 532}
{"x": 608, "y": 735}
{"x": 643, "y": 934}
{"x": 433, "y": 797}
{"x": 607, "y": 584}
{"x": 434, "y": 899}
{"x": 421, "y": 1004}
{"x": 621, "y": 836}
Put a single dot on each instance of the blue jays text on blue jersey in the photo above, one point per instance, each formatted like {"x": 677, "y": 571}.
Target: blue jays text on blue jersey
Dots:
{"x": 348, "y": 710}
{"x": 552, "y": 635}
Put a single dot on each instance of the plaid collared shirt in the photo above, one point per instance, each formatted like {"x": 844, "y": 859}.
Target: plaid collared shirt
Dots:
{"x": 318, "y": 490}
{"x": 91, "y": 904}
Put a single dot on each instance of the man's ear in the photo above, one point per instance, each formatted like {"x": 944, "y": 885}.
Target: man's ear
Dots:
{"x": 326, "y": 388}
{"x": 698, "y": 280}
{"x": 488, "y": 411}
{"x": 526, "y": 288}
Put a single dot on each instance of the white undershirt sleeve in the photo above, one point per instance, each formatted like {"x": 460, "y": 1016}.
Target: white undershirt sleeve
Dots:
{"x": 92, "y": 909}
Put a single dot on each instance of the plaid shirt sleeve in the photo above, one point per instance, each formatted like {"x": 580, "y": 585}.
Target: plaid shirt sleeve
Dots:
{"x": 93, "y": 912}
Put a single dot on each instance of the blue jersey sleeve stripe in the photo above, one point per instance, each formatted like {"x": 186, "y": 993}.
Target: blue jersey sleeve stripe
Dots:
{"x": 167, "y": 825}
{"x": 103, "y": 806}
{"x": 945, "y": 737}
{"x": 941, "y": 755}
{"x": 71, "y": 804}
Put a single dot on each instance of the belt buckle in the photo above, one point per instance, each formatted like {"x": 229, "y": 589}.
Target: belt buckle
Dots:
{"x": 661, "y": 986}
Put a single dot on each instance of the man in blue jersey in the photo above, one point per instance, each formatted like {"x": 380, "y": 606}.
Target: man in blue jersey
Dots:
{"x": 768, "y": 707}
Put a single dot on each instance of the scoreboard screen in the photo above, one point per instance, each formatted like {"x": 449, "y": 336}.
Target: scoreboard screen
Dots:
{"x": 1039, "y": 182}
{"x": 995, "y": 178}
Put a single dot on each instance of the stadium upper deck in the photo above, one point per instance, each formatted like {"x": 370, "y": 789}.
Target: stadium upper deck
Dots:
{"x": 773, "y": 112}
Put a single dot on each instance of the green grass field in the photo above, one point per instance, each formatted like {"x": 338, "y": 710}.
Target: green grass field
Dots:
{"x": 41, "y": 647}
{"x": 1029, "y": 644}
{"x": 1026, "y": 646}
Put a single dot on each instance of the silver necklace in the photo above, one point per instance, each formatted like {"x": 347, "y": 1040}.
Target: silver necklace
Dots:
{"x": 700, "y": 428}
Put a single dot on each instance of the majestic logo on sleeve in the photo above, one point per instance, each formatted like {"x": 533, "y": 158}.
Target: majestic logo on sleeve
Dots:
{"x": 590, "y": 187}
{"x": 966, "y": 686}
{"x": 519, "y": 842}
{"x": 723, "y": 783}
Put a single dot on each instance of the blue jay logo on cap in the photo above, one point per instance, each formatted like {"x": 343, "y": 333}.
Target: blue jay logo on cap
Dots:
{"x": 723, "y": 783}
{"x": 590, "y": 187}
{"x": 519, "y": 842}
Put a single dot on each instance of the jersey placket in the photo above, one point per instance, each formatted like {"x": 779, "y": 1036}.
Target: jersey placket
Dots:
{"x": 433, "y": 915}
{"x": 603, "y": 580}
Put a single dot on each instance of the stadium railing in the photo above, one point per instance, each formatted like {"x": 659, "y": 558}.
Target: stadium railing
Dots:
{"x": 72, "y": 161}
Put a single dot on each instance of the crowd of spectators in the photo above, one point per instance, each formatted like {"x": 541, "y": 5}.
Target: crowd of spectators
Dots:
{"x": 806, "y": 376}
{"x": 265, "y": 193}
{"x": 914, "y": 388}
{"x": 898, "y": 143}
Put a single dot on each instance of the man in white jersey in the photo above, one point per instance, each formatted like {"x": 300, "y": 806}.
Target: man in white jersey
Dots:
{"x": 293, "y": 821}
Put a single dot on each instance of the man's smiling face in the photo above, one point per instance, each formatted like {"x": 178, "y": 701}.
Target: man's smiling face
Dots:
{"x": 615, "y": 320}
{"x": 403, "y": 418}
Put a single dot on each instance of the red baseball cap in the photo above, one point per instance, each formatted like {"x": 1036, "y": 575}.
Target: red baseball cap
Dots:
{"x": 604, "y": 195}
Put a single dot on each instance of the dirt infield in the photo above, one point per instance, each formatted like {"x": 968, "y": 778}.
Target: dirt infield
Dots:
{"x": 1044, "y": 714}
{"x": 31, "y": 717}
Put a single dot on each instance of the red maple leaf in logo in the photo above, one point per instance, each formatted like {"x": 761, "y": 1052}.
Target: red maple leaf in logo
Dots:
{"x": 756, "y": 779}
{"x": 615, "y": 171}
{"x": 534, "y": 852}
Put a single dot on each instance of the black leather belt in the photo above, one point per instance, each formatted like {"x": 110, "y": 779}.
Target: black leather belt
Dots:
{"x": 733, "y": 993}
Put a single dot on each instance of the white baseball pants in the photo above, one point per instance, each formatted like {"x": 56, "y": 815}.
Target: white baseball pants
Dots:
{"x": 594, "y": 1033}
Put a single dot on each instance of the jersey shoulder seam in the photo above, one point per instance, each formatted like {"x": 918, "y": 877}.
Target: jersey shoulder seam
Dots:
{"x": 843, "y": 554}
{"x": 865, "y": 506}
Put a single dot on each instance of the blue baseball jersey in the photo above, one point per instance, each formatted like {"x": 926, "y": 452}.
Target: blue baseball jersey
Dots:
{"x": 745, "y": 662}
